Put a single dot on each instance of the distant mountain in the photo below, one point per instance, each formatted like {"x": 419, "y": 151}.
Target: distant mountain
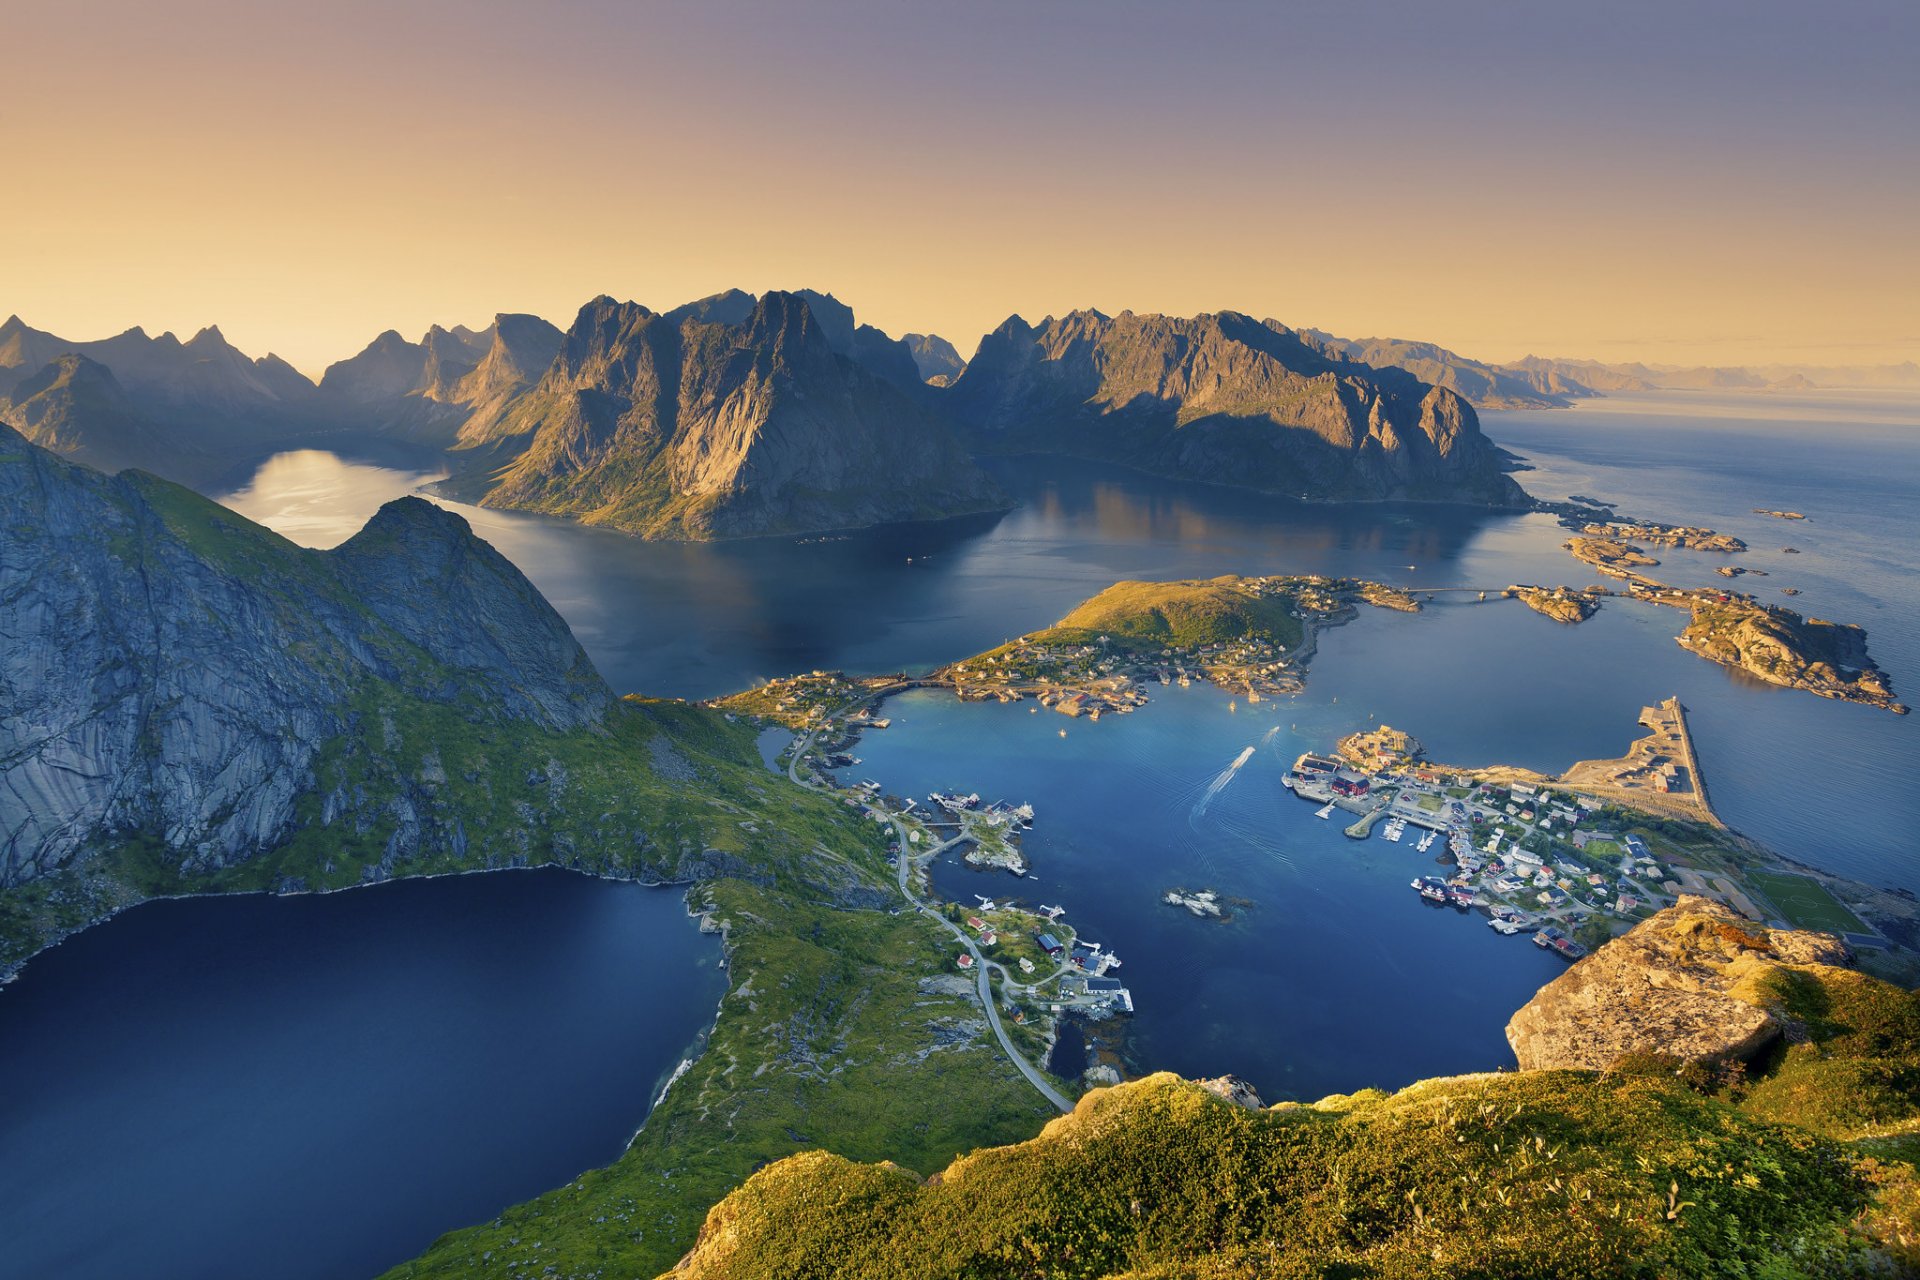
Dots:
{"x": 205, "y": 383}
{"x": 935, "y": 357}
{"x": 1538, "y": 382}
{"x": 1228, "y": 400}
{"x": 75, "y": 406}
{"x": 518, "y": 353}
{"x": 450, "y": 386}
{"x": 1483, "y": 385}
{"x": 732, "y": 306}
{"x": 688, "y": 428}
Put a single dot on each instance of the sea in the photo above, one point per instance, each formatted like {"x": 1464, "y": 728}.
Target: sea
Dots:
{"x": 1329, "y": 975}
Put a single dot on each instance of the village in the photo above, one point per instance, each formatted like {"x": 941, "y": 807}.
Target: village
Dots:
{"x": 1530, "y": 856}
{"x": 1045, "y": 968}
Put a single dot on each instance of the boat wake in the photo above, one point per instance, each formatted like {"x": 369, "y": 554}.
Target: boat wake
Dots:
{"x": 1219, "y": 783}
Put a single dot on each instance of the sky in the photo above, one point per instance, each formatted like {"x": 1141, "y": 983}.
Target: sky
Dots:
{"x": 1676, "y": 182}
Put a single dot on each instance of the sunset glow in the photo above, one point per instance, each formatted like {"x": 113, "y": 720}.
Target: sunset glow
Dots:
{"x": 1727, "y": 183}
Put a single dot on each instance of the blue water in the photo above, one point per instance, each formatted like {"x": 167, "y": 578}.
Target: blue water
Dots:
{"x": 1337, "y": 976}
{"x": 320, "y": 1086}
{"x": 1824, "y": 782}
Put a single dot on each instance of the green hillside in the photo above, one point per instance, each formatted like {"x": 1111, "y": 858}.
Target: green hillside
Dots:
{"x": 1182, "y": 614}
{"x": 1803, "y": 1171}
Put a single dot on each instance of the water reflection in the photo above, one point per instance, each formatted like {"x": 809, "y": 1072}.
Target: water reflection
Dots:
{"x": 698, "y": 619}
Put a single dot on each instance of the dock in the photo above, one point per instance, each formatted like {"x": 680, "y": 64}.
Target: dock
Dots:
{"x": 1364, "y": 827}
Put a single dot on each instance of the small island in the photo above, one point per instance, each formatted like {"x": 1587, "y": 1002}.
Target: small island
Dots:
{"x": 1734, "y": 629}
{"x": 1610, "y": 555}
{"x": 1778, "y": 515}
{"x": 1782, "y": 647}
{"x": 1249, "y": 636}
{"x": 1562, "y": 604}
{"x": 1204, "y": 903}
{"x": 1692, "y": 537}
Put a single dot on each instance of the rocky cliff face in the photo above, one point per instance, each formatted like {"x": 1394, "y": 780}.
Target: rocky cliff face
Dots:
{"x": 1229, "y": 400}
{"x": 453, "y": 387}
{"x": 173, "y": 670}
{"x": 697, "y": 429}
{"x": 1687, "y": 984}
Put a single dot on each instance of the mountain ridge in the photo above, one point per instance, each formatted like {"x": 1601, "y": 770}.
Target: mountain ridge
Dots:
{"x": 707, "y": 429}
{"x": 1226, "y": 399}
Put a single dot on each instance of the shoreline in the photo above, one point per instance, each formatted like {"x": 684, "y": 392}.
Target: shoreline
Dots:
{"x": 12, "y": 975}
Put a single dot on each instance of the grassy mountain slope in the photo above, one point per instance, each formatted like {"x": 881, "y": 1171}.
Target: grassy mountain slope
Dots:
{"x": 243, "y": 715}
{"x": 1653, "y": 1169}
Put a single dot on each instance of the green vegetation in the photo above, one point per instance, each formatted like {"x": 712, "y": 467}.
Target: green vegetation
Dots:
{"x": 1852, "y": 1067}
{"x": 828, "y": 1036}
{"x": 1181, "y": 615}
{"x": 1550, "y": 1173}
{"x": 1805, "y": 902}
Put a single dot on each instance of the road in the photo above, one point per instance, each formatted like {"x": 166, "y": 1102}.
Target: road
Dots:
{"x": 984, "y": 967}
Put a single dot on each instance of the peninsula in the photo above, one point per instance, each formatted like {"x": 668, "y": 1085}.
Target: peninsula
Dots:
{"x": 1571, "y": 859}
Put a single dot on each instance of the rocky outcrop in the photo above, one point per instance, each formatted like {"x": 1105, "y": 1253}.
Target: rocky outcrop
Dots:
{"x": 173, "y": 670}
{"x": 1228, "y": 400}
{"x": 1685, "y": 984}
{"x": 1781, "y": 647}
{"x": 1562, "y": 604}
{"x": 697, "y": 429}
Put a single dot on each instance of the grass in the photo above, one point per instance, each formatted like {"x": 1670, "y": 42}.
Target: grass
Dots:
{"x": 1180, "y": 615}
{"x": 1805, "y": 902}
{"x": 1556, "y": 1173}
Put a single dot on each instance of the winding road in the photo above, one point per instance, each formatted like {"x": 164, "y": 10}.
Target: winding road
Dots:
{"x": 983, "y": 966}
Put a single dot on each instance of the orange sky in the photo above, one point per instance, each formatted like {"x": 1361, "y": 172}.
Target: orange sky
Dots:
{"x": 1690, "y": 183}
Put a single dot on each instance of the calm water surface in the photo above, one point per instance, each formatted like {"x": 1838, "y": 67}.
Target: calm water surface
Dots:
{"x": 320, "y": 1086}
{"x": 1822, "y": 781}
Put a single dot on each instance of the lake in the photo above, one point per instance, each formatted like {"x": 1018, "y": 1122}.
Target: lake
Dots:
{"x": 320, "y": 1086}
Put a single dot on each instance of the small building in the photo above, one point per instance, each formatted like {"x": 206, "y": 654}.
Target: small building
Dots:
{"x": 1346, "y": 783}
{"x": 1048, "y": 943}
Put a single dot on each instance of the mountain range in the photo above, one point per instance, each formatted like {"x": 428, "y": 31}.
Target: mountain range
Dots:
{"x": 191, "y": 704}
{"x": 1539, "y": 382}
{"x": 737, "y": 415}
